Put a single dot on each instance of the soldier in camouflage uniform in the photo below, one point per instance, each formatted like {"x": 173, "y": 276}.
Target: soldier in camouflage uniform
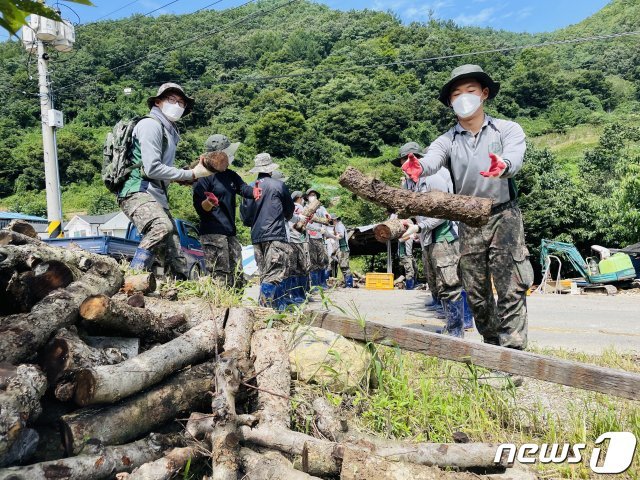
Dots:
{"x": 143, "y": 197}
{"x": 274, "y": 207}
{"x": 407, "y": 261}
{"x": 343, "y": 251}
{"x": 317, "y": 248}
{"x": 483, "y": 155}
{"x": 299, "y": 263}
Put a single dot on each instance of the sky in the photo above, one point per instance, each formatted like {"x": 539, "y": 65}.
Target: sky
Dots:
{"x": 515, "y": 15}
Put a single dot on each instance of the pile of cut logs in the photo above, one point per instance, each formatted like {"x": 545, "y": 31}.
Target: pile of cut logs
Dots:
{"x": 100, "y": 377}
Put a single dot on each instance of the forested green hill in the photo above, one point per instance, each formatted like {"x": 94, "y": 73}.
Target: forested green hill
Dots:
{"x": 578, "y": 104}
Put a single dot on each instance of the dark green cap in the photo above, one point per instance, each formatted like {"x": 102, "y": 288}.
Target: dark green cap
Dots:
{"x": 221, "y": 143}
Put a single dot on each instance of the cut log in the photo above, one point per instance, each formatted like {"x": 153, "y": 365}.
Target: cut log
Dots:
{"x": 143, "y": 283}
{"x": 136, "y": 300}
{"x": 238, "y": 331}
{"x": 34, "y": 254}
{"x": 541, "y": 367}
{"x": 308, "y": 211}
{"x": 28, "y": 288}
{"x": 165, "y": 467}
{"x": 327, "y": 421}
{"x": 23, "y": 227}
{"x": 110, "y": 383}
{"x": 195, "y": 310}
{"x": 215, "y": 161}
{"x": 260, "y": 467}
{"x": 225, "y": 446}
{"x": 19, "y": 404}
{"x": 22, "y": 335}
{"x": 140, "y": 414}
{"x": 360, "y": 465}
{"x": 271, "y": 362}
{"x": 98, "y": 466}
{"x": 103, "y": 314}
{"x": 389, "y": 230}
{"x": 473, "y": 211}
{"x": 8, "y": 237}
{"x": 67, "y": 353}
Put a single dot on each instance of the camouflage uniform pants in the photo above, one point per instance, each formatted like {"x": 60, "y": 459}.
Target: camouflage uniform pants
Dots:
{"x": 273, "y": 260}
{"x": 445, "y": 258}
{"x": 497, "y": 251}
{"x": 429, "y": 271}
{"x": 318, "y": 254}
{"x": 299, "y": 260}
{"x": 158, "y": 231}
{"x": 343, "y": 262}
{"x": 223, "y": 257}
{"x": 408, "y": 263}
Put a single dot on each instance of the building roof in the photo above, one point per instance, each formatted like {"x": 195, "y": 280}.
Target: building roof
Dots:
{"x": 98, "y": 219}
{"x": 119, "y": 222}
{"x": 20, "y": 216}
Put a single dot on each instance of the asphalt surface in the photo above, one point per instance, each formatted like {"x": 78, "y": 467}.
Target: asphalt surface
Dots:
{"x": 587, "y": 323}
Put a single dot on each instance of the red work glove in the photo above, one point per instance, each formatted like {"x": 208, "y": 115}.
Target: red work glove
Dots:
{"x": 257, "y": 192}
{"x": 412, "y": 167}
{"x": 212, "y": 198}
{"x": 497, "y": 167}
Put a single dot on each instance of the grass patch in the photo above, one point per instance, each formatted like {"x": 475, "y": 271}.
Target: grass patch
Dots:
{"x": 207, "y": 289}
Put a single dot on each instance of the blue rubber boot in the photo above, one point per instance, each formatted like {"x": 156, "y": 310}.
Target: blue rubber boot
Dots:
{"x": 316, "y": 280}
{"x": 325, "y": 274}
{"x": 282, "y": 299}
{"x": 348, "y": 281}
{"x": 296, "y": 292}
{"x": 433, "y": 304}
{"x": 410, "y": 284}
{"x": 142, "y": 259}
{"x": 455, "y": 322}
{"x": 441, "y": 310}
{"x": 267, "y": 295}
{"x": 467, "y": 315}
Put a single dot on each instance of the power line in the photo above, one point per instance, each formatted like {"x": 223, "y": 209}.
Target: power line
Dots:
{"x": 207, "y": 6}
{"x": 193, "y": 39}
{"x": 160, "y": 8}
{"x": 432, "y": 59}
{"x": 116, "y": 10}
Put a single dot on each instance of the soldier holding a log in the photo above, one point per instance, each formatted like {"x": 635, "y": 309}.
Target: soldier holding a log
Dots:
{"x": 143, "y": 198}
{"x": 317, "y": 248}
{"x": 214, "y": 198}
{"x": 439, "y": 239}
{"x": 483, "y": 155}
{"x": 299, "y": 242}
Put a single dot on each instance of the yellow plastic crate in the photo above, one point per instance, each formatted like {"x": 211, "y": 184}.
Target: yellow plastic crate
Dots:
{"x": 379, "y": 281}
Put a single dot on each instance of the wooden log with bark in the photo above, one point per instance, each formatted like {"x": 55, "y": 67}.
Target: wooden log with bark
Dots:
{"x": 195, "y": 310}
{"x": 129, "y": 419}
{"x": 25, "y": 289}
{"x": 308, "y": 212}
{"x": 473, "y": 211}
{"x": 328, "y": 422}
{"x": 30, "y": 255}
{"x": 271, "y": 362}
{"x": 23, "y": 227}
{"x": 67, "y": 353}
{"x": 110, "y": 383}
{"x": 165, "y": 467}
{"x": 100, "y": 465}
{"x": 541, "y": 367}
{"x": 20, "y": 390}
{"x": 261, "y": 467}
{"x": 104, "y": 314}
{"x": 8, "y": 237}
{"x": 142, "y": 283}
{"x": 22, "y": 335}
{"x": 390, "y": 230}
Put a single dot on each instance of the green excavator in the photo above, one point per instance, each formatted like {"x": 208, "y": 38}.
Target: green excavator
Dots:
{"x": 603, "y": 272}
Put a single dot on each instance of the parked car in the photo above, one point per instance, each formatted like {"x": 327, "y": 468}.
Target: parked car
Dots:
{"x": 124, "y": 248}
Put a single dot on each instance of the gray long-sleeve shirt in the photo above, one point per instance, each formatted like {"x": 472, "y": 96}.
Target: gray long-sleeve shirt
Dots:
{"x": 155, "y": 140}
{"x": 468, "y": 155}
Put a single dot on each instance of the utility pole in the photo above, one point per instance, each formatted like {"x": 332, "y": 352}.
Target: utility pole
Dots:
{"x": 51, "y": 174}
{"x": 36, "y": 37}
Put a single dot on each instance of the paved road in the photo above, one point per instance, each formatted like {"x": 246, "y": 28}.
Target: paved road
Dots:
{"x": 588, "y": 323}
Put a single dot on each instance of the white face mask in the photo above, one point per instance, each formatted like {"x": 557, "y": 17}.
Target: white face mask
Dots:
{"x": 312, "y": 198}
{"x": 172, "y": 111}
{"x": 466, "y": 105}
